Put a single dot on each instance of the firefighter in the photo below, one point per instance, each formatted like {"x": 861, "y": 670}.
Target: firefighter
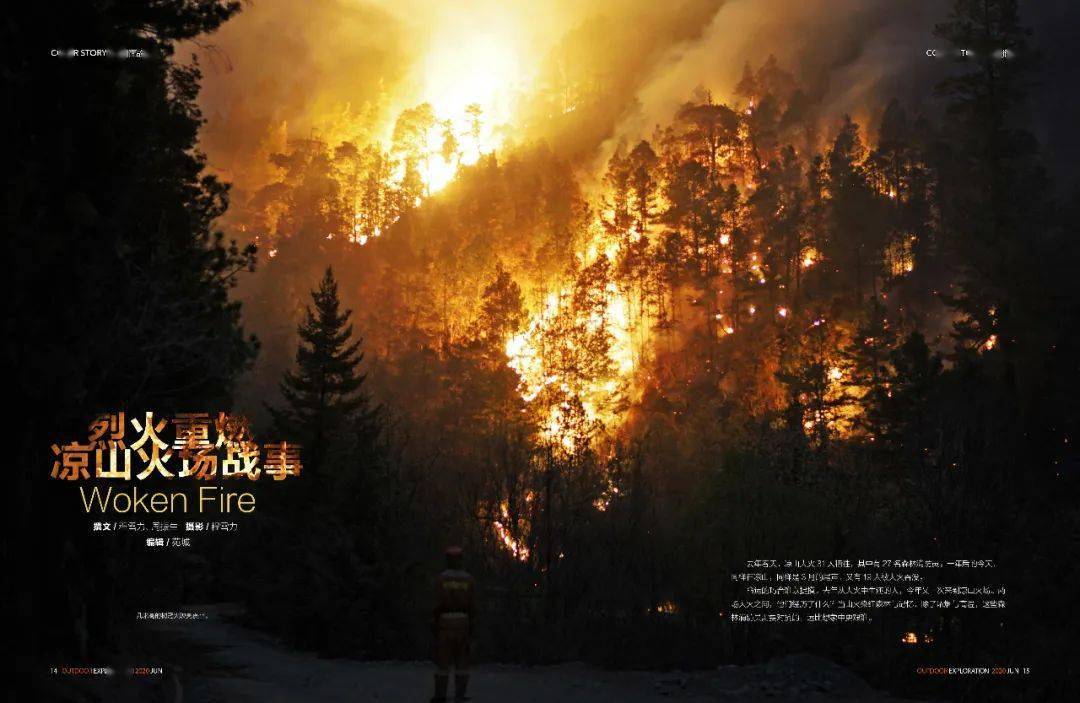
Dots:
{"x": 452, "y": 624}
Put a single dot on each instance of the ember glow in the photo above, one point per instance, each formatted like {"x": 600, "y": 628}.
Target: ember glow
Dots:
{"x": 643, "y": 305}
{"x": 663, "y": 241}
{"x": 504, "y": 529}
{"x": 557, "y": 342}
{"x": 472, "y": 67}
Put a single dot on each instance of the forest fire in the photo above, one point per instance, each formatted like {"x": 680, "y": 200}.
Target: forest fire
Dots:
{"x": 594, "y": 303}
{"x": 501, "y": 525}
{"x": 560, "y": 342}
{"x": 469, "y": 85}
{"x": 648, "y": 322}
{"x": 593, "y": 327}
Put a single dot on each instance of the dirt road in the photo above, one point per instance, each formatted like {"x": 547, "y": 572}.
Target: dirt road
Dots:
{"x": 249, "y": 666}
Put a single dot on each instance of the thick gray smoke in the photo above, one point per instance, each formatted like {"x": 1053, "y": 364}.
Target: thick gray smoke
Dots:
{"x": 850, "y": 55}
{"x": 294, "y": 68}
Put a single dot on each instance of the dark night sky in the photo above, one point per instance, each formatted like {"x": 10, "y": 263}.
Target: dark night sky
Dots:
{"x": 1056, "y": 105}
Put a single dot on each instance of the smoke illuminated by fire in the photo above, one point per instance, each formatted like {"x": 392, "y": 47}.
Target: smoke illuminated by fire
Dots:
{"x": 470, "y": 86}
{"x": 426, "y": 90}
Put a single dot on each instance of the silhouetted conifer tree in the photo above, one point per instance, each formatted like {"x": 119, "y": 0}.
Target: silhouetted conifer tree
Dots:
{"x": 323, "y": 397}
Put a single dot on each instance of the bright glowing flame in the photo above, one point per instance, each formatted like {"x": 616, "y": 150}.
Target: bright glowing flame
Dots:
{"x": 619, "y": 326}
{"x": 469, "y": 76}
{"x": 481, "y": 70}
{"x": 501, "y": 526}
{"x": 575, "y": 405}
{"x": 667, "y": 608}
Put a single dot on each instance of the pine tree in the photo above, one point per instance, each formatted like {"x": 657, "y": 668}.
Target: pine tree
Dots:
{"x": 904, "y": 407}
{"x": 867, "y": 358}
{"x": 641, "y": 164}
{"x": 996, "y": 205}
{"x": 618, "y": 219}
{"x": 502, "y": 310}
{"x": 1016, "y": 285}
{"x": 323, "y": 396}
{"x": 483, "y": 388}
{"x": 852, "y": 214}
{"x": 112, "y": 236}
